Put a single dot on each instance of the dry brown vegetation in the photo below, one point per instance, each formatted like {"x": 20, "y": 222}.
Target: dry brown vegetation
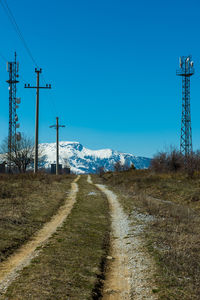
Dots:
{"x": 71, "y": 265}
{"x": 174, "y": 161}
{"x": 173, "y": 234}
{"x": 26, "y": 203}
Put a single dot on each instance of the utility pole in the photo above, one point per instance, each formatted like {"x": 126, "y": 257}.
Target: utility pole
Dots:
{"x": 37, "y": 87}
{"x": 57, "y": 126}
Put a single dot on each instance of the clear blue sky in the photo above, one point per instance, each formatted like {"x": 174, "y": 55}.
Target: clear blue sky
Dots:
{"x": 112, "y": 65}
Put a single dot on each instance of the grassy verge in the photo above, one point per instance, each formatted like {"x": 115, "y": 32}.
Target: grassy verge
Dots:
{"x": 173, "y": 234}
{"x": 175, "y": 187}
{"x": 71, "y": 265}
{"x": 26, "y": 203}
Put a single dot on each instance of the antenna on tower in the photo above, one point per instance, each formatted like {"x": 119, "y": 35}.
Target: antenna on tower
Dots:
{"x": 186, "y": 70}
{"x": 13, "y": 135}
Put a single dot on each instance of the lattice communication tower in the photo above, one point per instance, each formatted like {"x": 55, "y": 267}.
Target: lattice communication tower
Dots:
{"x": 186, "y": 70}
{"x": 13, "y": 135}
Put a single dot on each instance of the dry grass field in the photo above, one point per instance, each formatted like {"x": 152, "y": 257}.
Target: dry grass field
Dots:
{"x": 71, "y": 265}
{"x": 26, "y": 203}
{"x": 173, "y": 234}
{"x": 175, "y": 187}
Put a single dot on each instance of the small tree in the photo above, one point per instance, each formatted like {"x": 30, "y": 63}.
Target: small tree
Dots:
{"x": 132, "y": 167}
{"x": 118, "y": 166}
{"x": 196, "y": 158}
{"x": 159, "y": 162}
{"x": 175, "y": 160}
{"x": 100, "y": 171}
{"x": 172, "y": 161}
{"x": 22, "y": 153}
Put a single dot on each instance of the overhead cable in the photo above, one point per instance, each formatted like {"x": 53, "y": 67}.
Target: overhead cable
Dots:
{"x": 10, "y": 15}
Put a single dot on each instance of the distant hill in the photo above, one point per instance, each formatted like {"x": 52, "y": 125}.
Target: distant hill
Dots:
{"x": 82, "y": 160}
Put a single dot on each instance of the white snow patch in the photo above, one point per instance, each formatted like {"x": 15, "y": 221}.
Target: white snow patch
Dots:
{"x": 82, "y": 160}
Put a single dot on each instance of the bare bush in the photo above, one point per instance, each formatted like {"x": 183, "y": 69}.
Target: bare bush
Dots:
{"x": 159, "y": 162}
{"x": 22, "y": 153}
{"x": 174, "y": 161}
{"x": 100, "y": 171}
{"x": 171, "y": 161}
{"x": 119, "y": 166}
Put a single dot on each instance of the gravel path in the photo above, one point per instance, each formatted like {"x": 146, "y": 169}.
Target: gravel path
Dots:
{"x": 9, "y": 269}
{"x": 130, "y": 268}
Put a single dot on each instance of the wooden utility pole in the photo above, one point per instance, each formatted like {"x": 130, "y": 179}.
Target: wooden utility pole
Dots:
{"x": 57, "y": 126}
{"x": 37, "y": 87}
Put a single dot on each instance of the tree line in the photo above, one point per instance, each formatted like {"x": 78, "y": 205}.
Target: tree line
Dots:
{"x": 174, "y": 161}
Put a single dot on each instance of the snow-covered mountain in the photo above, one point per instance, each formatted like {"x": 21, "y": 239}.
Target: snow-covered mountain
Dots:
{"x": 82, "y": 160}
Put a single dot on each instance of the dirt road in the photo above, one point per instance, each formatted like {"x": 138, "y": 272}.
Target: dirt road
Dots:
{"x": 130, "y": 269}
{"x": 22, "y": 257}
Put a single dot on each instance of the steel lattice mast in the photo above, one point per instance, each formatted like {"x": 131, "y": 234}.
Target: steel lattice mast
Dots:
{"x": 186, "y": 70}
{"x": 12, "y": 68}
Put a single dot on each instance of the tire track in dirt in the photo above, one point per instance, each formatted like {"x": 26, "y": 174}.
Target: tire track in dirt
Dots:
{"x": 9, "y": 268}
{"x": 129, "y": 273}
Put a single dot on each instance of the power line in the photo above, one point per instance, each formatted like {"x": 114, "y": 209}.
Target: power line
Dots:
{"x": 13, "y": 21}
{"x": 51, "y": 101}
{"x": 17, "y": 29}
{"x": 19, "y": 33}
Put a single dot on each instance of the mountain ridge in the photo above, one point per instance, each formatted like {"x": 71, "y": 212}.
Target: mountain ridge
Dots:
{"x": 83, "y": 161}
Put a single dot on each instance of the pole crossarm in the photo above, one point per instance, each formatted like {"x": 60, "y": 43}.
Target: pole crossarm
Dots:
{"x": 37, "y": 87}
{"x": 28, "y": 86}
{"x": 54, "y": 126}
